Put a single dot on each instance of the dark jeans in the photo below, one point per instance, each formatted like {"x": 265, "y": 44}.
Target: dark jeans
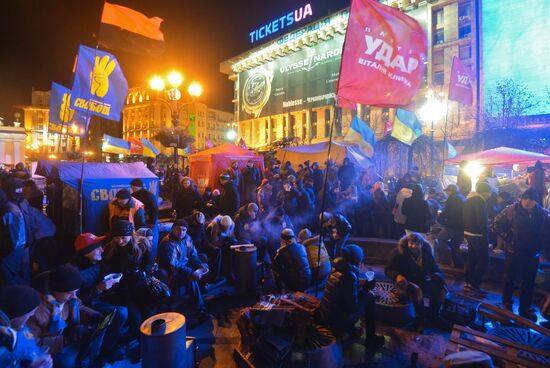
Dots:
{"x": 521, "y": 267}
{"x": 478, "y": 259}
{"x": 191, "y": 287}
{"x": 115, "y": 330}
{"x": 449, "y": 241}
{"x": 432, "y": 287}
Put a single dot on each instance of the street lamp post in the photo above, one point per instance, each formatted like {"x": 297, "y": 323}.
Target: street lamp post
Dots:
{"x": 175, "y": 80}
{"x": 433, "y": 111}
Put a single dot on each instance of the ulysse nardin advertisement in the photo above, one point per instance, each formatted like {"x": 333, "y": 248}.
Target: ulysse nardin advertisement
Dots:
{"x": 304, "y": 79}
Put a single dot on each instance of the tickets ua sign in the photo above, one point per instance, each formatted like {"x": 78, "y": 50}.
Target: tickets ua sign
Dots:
{"x": 99, "y": 85}
{"x": 281, "y": 23}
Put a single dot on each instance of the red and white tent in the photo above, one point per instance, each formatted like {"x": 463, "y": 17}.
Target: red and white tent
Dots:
{"x": 501, "y": 156}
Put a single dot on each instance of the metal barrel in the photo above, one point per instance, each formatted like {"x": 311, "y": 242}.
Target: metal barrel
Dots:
{"x": 163, "y": 341}
{"x": 245, "y": 269}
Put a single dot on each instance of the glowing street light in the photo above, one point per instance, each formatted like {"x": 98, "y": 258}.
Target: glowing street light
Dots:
{"x": 195, "y": 89}
{"x": 434, "y": 110}
{"x": 231, "y": 135}
{"x": 175, "y": 79}
{"x": 156, "y": 83}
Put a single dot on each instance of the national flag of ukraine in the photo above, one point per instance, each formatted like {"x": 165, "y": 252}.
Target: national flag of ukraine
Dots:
{"x": 115, "y": 145}
{"x": 406, "y": 127}
{"x": 149, "y": 150}
{"x": 362, "y": 135}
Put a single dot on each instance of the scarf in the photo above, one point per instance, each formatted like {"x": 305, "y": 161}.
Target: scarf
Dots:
{"x": 58, "y": 324}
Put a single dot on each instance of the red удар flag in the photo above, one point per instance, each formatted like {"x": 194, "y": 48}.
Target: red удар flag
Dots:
{"x": 127, "y": 30}
{"x": 460, "y": 86}
{"x": 383, "y": 56}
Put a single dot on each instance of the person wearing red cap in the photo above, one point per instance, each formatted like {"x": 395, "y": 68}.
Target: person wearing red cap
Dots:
{"x": 95, "y": 284}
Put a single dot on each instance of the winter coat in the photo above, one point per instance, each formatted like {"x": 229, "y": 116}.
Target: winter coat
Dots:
{"x": 133, "y": 211}
{"x": 92, "y": 274}
{"x": 178, "y": 256}
{"x": 402, "y": 263}
{"x": 187, "y": 200}
{"x": 342, "y": 225}
{"x": 341, "y": 295}
{"x": 289, "y": 200}
{"x": 452, "y": 215}
{"x": 197, "y": 232}
{"x": 245, "y": 227}
{"x": 398, "y": 215}
{"x": 230, "y": 200}
{"x": 291, "y": 267}
{"x": 150, "y": 203}
{"x": 216, "y": 237}
{"x": 312, "y": 249}
{"x": 318, "y": 179}
{"x": 251, "y": 178}
{"x": 39, "y": 323}
{"x": 464, "y": 182}
{"x": 536, "y": 180}
{"x": 525, "y": 233}
{"x": 475, "y": 216}
{"x": 264, "y": 197}
{"x": 418, "y": 215}
{"x": 346, "y": 175}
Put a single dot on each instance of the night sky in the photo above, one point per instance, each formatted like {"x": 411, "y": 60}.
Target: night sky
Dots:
{"x": 39, "y": 39}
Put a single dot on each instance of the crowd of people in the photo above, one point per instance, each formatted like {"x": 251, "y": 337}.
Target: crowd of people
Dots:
{"x": 300, "y": 222}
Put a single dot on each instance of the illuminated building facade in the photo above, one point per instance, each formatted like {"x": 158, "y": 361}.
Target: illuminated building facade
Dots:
{"x": 144, "y": 116}
{"x": 286, "y": 86}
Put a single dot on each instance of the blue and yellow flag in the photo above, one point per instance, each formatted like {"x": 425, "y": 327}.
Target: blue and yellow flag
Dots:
{"x": 99, "y": 84}
{"x": 115, "y": 145}
{"x": 362, "y": 135}
{"x": 406, "y": 127}
{"x": 451, "y": 150}
{"x": 61, "y": 113}
{"x": 149, "y": 150}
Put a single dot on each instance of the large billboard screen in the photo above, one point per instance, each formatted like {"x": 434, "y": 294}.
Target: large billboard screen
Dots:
{"x": 515, "y": 53}
{"x": 304, "y": 79}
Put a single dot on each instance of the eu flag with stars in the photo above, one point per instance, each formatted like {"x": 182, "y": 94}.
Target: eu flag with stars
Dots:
{"x": 99, "y": 85}
{"x": 61, "y": 113}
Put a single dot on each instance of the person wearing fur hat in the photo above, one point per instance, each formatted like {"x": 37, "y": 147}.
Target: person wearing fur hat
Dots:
{"x": 525, "y": 228}
{"x": 125, "y": 207}
{"x": 290, "y": 266}
{"x": 96, "y": 285}
{"x": 415, "y": 272}
{"x": 18, "y": 346}
{"x": 130, "y": 255}
{"x": 180, "y": 265}
{"x": 344, "y": 301}
{"x": 62, "y": 322}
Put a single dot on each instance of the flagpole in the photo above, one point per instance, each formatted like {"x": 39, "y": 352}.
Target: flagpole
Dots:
{"x": 324, "y": 191}
{"x": 444, "y": 138}
{"x": 85, "y": 134}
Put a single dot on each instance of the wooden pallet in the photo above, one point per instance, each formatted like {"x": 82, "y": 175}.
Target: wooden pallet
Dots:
{"x": 505, "y": 317}
{"x": 504, "y": 352}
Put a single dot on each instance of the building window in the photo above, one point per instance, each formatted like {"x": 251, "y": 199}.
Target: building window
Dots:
{"x": 464, "y": 11}
{"x": 438, "y": 57}
{"x": 285, "y": 128}
{"x": 327, "y": 123}
{"x": 266, "y": 132}
{"x": 304, "y": 125}
{"x": 465, "y": 31}
{"x": 465, "y": 52}
{"x": 439, "y": 78}
{"x": 314, "y": 124}
{"x": 438, "y": 18}
{"x": 292, "y": 130}
{"x": 439, "y": 37}
{"x": 273, "y": 130}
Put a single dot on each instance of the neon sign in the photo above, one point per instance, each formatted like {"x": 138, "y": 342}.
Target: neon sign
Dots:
{"x": 281, "y": 23}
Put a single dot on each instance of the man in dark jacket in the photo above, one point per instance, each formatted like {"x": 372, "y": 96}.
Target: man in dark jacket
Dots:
{"x": 476, "y": 230}
{"x": 414, "y": 270}
{"x": 417, "y": 211}
{"x": 346, "y": 174}
{"x": 251, "y": 179}
{"x": 318, "y": 177}
{"x": 187, "y": 198}
{"x": 536, "y": 180}
{"x": 95, "y": 282}
{"x": 248, "y": 228}
{"x": 126, "y": 208}
{"x": 452, "y": 234}
{"x": 180, "y": 264}
{"x": 151, "y": 209}
{"x": 344, "y": 302}
{"x": 290, "y": 266}
{"x": 525, "y": 227}
{"x": 230, "y": 200}
{"x": 336, "y": 230}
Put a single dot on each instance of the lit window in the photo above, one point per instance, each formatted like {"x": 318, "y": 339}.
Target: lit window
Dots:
{"x": 439, "y": 78}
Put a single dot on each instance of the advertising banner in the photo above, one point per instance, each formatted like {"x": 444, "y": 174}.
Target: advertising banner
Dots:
{"x": 304, "y": 79}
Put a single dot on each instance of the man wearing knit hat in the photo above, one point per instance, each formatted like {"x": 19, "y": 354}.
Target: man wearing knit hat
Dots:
{"x": 180, "y": 265}
{"x": 290, "y": 265}
{"x": 89, "y": 262}
{"x": 525, "y": 227}
{"x": 19, "y": 303}
{"x": 61, "y": 321}
{"x": 344, "y": 302}
{"x": 230, "y": 200}
{"x": 125, "y": 207}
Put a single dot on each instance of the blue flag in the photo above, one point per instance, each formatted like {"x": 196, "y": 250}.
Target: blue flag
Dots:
{"x": 99, "y": 84}
{"x": 61, "y": 113}
{"x": 361, "y": 134}
{"x": 406, "y": 127}
{"x": 451, "y": 150}
{"x": 115, "y": 145}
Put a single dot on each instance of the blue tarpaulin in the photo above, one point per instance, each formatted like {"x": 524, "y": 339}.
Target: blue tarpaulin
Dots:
{"x": 101, "y": 183}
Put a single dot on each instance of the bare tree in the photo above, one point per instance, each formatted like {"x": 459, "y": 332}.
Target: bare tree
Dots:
{"x": 508, "y": 103}
{"x": 174, "y": 137}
